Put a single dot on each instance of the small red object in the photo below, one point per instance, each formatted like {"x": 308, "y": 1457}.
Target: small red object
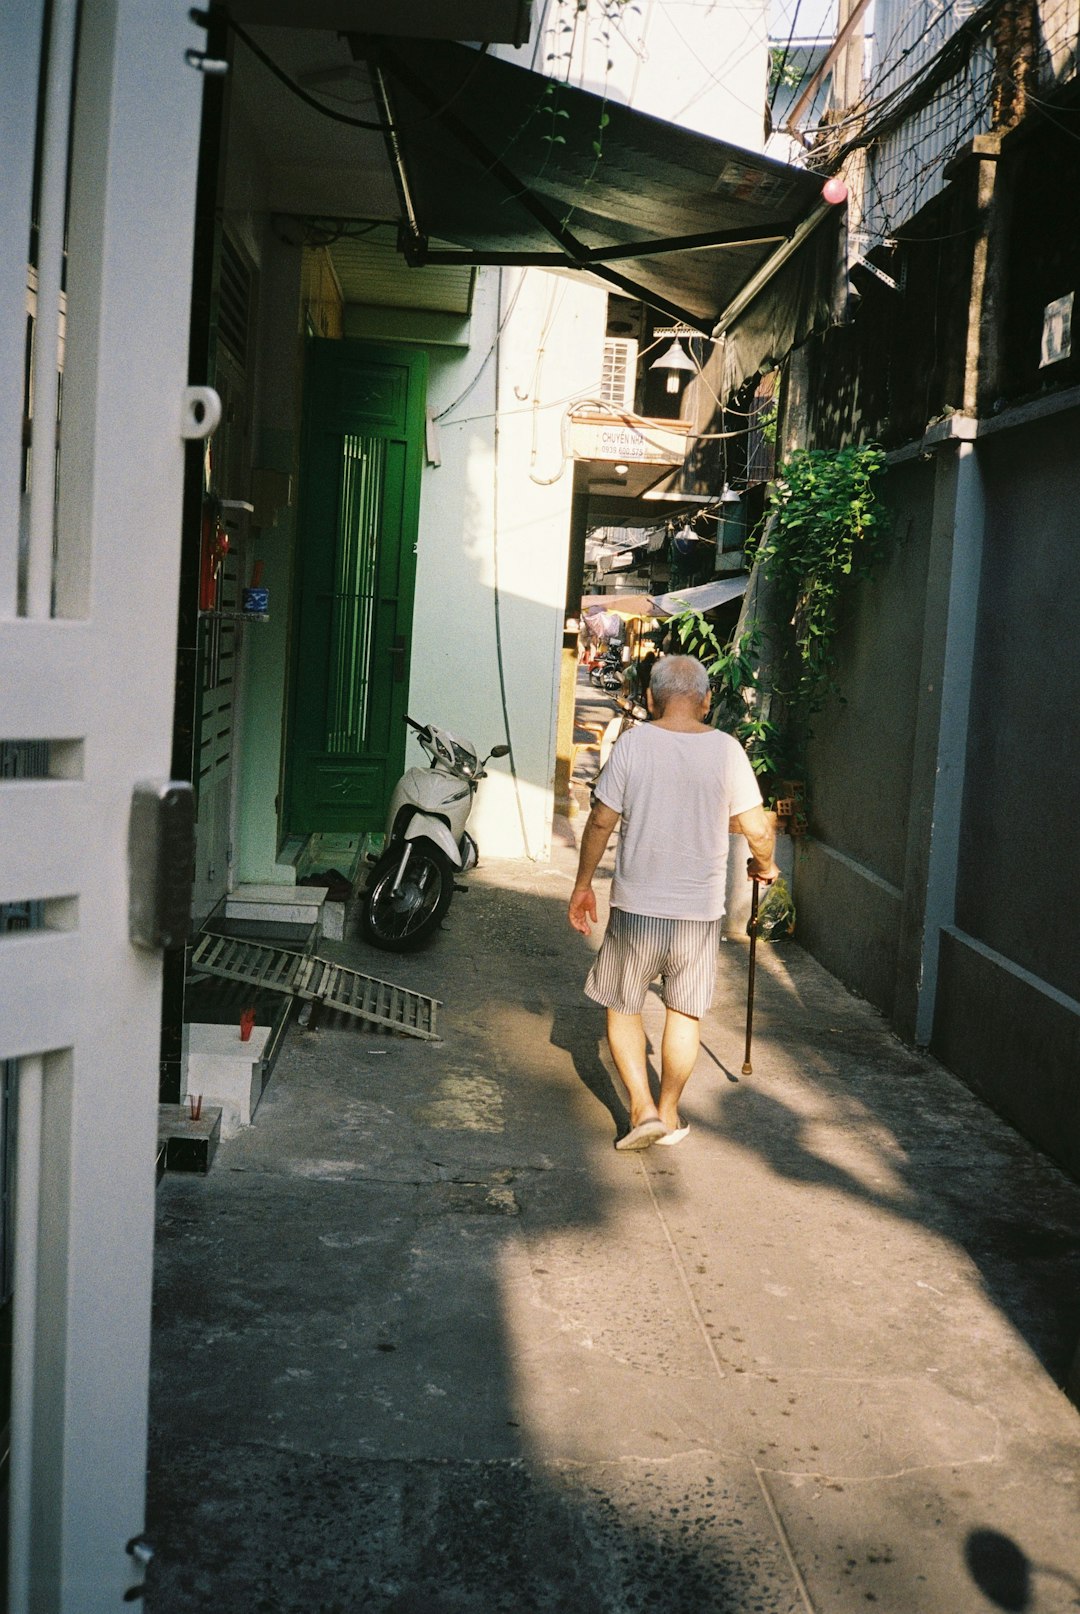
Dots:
{"x": 247, "y": 1021}
{"x": 834, "y": 191}
{"x": 195, "y": 1105}
{"x": 215, "y": 546}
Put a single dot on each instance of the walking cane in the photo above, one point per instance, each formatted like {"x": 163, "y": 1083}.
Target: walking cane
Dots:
{"x": 748, "y": 1069}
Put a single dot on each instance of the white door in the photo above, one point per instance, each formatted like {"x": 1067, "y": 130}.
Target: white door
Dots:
{"x": 89, "y": 563}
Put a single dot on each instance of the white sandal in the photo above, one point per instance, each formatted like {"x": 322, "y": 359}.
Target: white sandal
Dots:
{"x": 676, "y": 1135}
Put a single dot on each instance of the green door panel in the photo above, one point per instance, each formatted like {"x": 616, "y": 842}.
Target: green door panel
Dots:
{"x": 355, "y": 574}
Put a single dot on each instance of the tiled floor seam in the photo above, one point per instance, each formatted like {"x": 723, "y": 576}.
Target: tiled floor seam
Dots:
{"x": 695, "y": 1310}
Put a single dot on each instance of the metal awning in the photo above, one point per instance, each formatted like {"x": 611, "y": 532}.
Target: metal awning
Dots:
{"x": 518, "y": 169}
{"x": 702, "y": 597}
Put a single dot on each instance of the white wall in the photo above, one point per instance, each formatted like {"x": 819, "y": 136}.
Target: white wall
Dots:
{"x": 702, "y": 65}
{"x": 497, "y": 511}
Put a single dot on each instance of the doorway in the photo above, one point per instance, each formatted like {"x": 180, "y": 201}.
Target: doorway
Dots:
{"x": 360, "y": 471}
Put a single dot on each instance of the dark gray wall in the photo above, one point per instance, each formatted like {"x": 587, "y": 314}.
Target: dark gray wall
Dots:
{"x": 1019, "y": 874}
{"x": 850, "y": 872}
{"x": 1014, "y": 1042}
{"x": 1006, "y": 1016}
{"x": 898, "y": 863}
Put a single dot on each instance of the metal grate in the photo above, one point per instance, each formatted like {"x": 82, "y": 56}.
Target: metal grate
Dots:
{"x": 356, "y": 566}
{"x": 318, "y": 980}
{"x": 234, "y": 300}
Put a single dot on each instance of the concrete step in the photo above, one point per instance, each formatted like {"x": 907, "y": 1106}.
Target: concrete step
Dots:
{"x": 189, "y": 1145}
{"x": 288, "y": 905}
{"x": 225, "y": 1071}
{"x": 281, "y": 904}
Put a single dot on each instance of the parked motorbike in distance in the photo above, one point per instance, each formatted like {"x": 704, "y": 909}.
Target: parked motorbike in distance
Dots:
{"x": 629, "y": 715}
{"x": 608, "y": 674}
{"x": 412, "y": 882}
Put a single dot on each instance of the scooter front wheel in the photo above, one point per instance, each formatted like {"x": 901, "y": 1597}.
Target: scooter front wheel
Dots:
{"x": 400, "y": 920}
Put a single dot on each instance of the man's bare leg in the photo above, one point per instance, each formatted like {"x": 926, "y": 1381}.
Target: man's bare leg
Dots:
{"x": 626, "y": 1039}
{"x": 678, "y": 1053}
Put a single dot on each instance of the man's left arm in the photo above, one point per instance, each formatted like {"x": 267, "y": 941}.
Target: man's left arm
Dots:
{"x": 594, "y": 838}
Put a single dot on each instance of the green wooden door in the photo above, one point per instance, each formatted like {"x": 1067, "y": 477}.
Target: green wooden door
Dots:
{"x": 355, "y": 570}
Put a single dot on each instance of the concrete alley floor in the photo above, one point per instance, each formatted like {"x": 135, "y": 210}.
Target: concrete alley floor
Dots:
{"x": 425, "y": 1344}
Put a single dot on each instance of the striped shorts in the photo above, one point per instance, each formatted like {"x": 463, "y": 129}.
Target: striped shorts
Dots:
{"x": 637, "y": 949}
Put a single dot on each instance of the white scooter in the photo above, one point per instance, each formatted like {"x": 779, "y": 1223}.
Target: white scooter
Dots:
{"x": 412, "y": 882}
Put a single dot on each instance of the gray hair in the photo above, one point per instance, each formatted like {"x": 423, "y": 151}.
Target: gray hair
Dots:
{"x": 675, "y": 676}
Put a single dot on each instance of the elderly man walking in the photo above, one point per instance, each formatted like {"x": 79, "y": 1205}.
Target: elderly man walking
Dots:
{"x": 678, "y": 785}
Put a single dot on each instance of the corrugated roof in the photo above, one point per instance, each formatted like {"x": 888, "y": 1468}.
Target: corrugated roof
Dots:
{"x": 372, "y": 272}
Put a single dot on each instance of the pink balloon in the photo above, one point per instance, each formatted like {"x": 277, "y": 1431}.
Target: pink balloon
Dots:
{"x": 835, "y": 191}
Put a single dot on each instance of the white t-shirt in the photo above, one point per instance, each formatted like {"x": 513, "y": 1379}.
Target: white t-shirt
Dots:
{"x": 676, "y": 792}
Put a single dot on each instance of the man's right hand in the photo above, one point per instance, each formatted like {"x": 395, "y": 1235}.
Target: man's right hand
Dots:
{"x": 758, "y": 827}
{"x": 582, "y": 910}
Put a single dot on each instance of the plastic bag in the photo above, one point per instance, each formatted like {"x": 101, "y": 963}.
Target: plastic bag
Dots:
{"x": 776, "y": 913}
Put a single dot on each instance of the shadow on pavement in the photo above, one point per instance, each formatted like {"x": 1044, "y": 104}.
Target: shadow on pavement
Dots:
{"x": 419, "y": 1348}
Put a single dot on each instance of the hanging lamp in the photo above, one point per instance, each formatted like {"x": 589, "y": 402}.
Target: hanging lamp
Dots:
{"x": 675, "y": 361}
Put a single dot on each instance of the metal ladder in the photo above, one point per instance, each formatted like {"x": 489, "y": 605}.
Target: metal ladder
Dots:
{"x": 317, "y": 980}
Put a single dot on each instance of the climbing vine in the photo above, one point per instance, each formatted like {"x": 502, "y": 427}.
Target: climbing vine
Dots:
{"x": 825, "y": 529}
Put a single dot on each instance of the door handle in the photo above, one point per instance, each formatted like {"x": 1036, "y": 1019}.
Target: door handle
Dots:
{"x": 397, "y": 660}
{"x": 161, "y": 863}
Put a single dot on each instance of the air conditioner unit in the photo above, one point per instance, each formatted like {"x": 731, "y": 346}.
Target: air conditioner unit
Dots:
{"x": 619, "y": 374}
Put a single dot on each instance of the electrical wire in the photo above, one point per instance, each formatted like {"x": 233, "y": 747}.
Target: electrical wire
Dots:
{"x": 909, "y": 19}
{"x": 484, "y": 362}
{"x": 558, "y": 292}
{"x": 627, "y": 416}
{"x": 703, "y": 378}
{"x": 745, "y": 414}
{"x": 298, "y": 90}
{"x": 713, "y": 78}
{"x": 316, "y": 105}
{"x": 345, "y": 100}
{"x": 911, "y": 132}
{"x": 496, "y": 591}
{"x": 953, "y": 58}
{"x": 1043, "y": 110}
{"x": 284, "y": 226}
{"x": 577, "y": 398}
{"x": 908, "y": 183}
{"x": 889, "y": 69}
{"x": 784, "y": 58}
{"x": 869, "y": 117}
